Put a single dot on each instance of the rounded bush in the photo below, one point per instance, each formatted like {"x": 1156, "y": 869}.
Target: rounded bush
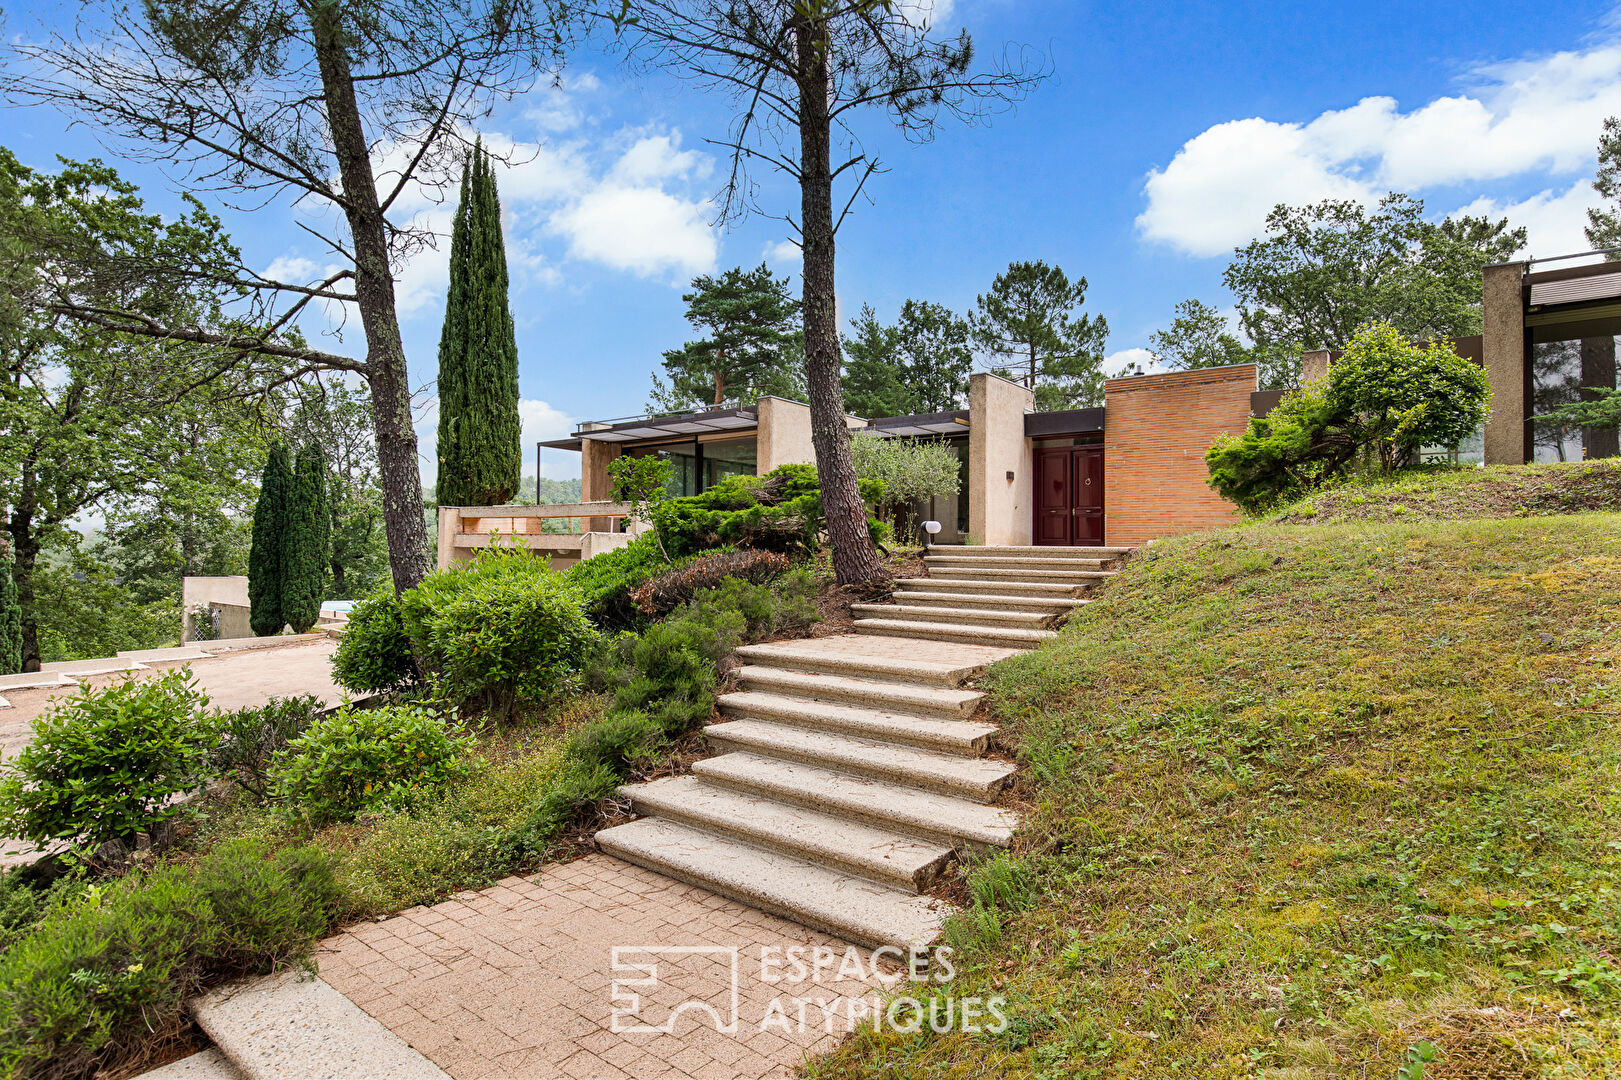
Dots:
{"x": 374, "y": 654}
{"x": 107, "y": 765}
{"x": 505, "y": 628}
{"x": 354, "y": 760}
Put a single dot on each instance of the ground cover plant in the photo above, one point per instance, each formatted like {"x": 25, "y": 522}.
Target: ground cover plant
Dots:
{"x": 1457, "y": 492}
{"x": 1309, "y": 801}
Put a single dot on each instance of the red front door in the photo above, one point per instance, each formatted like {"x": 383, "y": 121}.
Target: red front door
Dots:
{"x": 1069, "y": 496}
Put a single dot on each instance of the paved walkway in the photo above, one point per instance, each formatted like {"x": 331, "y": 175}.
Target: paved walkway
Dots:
{"x": 520, "y": 980}
{"x": 232, "y": 680}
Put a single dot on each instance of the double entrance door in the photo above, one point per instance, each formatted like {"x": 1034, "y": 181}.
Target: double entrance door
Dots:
{"x": 1069, "y": 496}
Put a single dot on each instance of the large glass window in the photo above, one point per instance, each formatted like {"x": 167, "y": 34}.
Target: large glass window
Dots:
{"x": 1563, "y": 372}
{"x": 696, "y": 467}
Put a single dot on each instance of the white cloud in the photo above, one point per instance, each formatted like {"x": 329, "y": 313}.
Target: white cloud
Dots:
{"x": 1554, "y": 221}
{"x": 934, "y": 13}
{"x": 643, "y": 230}
{"x": 784, "y": 252}
{"x": 553, "y": 108}
{"x": 541, "y": 421}
{"x": 1538, "y": 116}
{"x": 1117, "y": 362}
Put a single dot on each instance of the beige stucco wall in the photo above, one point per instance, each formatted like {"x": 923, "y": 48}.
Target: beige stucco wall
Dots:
{"x": 1313, "y": 366}
{"x": 784, "y": 435}
{"x": 998, "y": 507}
{"x": 228, "y": 595}
{"x": 1503, "y": 348}
{"x": 595, "y": 484}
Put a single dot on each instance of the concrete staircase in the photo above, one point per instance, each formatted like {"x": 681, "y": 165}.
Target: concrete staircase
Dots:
{"x": 849, "y": 771}
{"x": 1008, "y": 596}
{"x": 848, "y": 775}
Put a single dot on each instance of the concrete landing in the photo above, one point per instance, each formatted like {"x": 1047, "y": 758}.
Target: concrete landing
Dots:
{"x": 294, "y": 1025}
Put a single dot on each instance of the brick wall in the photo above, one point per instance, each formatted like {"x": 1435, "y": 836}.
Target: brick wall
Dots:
{"x": 1156, "y": 431}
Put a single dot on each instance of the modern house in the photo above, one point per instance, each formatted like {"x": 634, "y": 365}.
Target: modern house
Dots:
{"x": 1117, "y": 475}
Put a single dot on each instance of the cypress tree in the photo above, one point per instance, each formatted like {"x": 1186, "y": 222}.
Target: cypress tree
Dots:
{"x": 309, "y": 530}
{"x": 11, "y": 618}
{"x": 265, "y": 558}
{"x": 479, "y": 427}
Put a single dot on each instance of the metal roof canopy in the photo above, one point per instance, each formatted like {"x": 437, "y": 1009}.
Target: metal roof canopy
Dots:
{"x": 648, "y": 428}
{"x": 919, "y": 424}
{"x": 1063, "y": 422}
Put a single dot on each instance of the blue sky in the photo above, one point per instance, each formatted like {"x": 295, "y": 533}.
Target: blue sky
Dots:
{"x": 1159, "y": 144}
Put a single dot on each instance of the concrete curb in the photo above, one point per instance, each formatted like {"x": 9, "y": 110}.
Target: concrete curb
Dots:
{"x": 294, "y": 1025}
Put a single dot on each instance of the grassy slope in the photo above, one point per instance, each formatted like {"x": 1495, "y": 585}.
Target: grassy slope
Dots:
{"x": 1459, "y": 493}
{"x": 1302, "y": 796}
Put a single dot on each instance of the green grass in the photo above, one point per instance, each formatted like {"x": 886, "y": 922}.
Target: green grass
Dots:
{"x": 1299, "y": 798}
{"x": 1464, "y": 492}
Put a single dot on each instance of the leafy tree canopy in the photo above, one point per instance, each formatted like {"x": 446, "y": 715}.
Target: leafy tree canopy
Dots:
{"x": 1323, "y": 271}
{"x": 919, "y": 365}
{"x": 751, "y": 344}
{"x": 1604, "y": 222}
{"x": 1031, "y": 327}
{"x": 1198, "y": 337}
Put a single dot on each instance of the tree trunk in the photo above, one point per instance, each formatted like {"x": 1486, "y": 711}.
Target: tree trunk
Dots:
{"x": 24, "y": 556}
{"x": 855, "y": 560}
{"x": 374, "y": 297}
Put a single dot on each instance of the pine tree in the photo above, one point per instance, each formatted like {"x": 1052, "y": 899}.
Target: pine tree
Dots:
{"x": 11, "y": 618}
{"x": 480, "y": 456}
{"x": 309, "y": 527}
{"x": 751, "y": 347}
{"x": 1030, "y": 326}
{"x": 265, "y": 558}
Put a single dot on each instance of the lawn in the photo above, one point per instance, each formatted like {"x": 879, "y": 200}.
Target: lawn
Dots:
{"x": 1454, "y": 493}
{"x": 1308, "y": 801}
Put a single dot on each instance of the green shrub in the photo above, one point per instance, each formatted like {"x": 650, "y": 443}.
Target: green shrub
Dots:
{"x": 675, "y": 587}
{"x": 604, "y": 582}
{"x": 374, "y": 653}
{"x": 1386, "y": 399}
{"x": 26, "y": 897}
{"x": 780, "y": 511}
{"x": 247, "y": 740}
{"x": 108, "y": 765}
{"x": 503, "y": 629}
{"x": 910, "y": 470}
{"x": 1280, "y": 456}
{"x": 767, "y": 610}
{"x": 355, "y": 760}
{"x": 104, "y": 976}
{"x": 1395, "y": 398}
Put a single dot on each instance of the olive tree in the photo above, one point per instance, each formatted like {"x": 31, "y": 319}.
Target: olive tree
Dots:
{"x": 911, "y": 470}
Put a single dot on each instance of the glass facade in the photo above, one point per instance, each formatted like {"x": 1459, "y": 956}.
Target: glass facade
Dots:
{"x": 695, "y": 467}
{"x": 1561, "y": 371}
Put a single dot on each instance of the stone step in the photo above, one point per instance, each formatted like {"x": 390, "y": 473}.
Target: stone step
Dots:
{"x": 970, "y": 778}
{"x": 293, "y": 1024}
{"x": 1030, "y": 620}
{"x": 1053, "y": 551}
{"x": 1051, "y": 605}
{"x": 999, "y": 573}
{"x": 928, "y": 814}
{"x": 921, "y": 671}
{"x": 903, "y": 697}
{"x": 855, "y": 847}
{"x": 1012, "y": 636}
{"x": 853, "y": 908}
{"x": 926, "y": 732}
{"x": 946, "y": 583}
{"x": 207, "y": 1064}
{"x": 1013, "y": 562}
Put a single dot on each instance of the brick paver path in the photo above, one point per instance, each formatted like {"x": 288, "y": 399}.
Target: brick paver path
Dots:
{"x": 518, "y": 980}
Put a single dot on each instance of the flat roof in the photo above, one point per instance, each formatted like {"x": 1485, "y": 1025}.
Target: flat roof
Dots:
{"x": 954, "y": 422}
{"x": 671, "y": 426}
